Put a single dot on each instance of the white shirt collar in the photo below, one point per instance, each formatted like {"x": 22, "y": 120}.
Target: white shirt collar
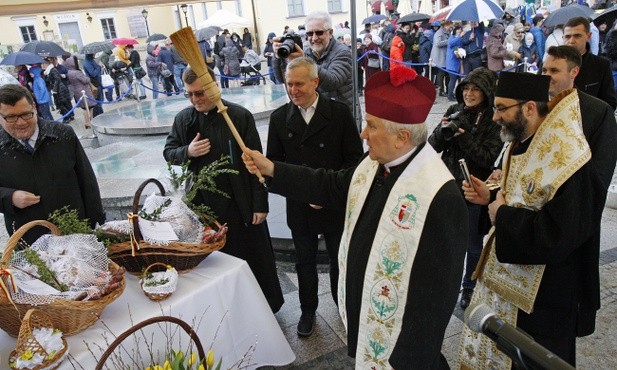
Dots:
{"x": 34, "y": 137}
{"x": 309, "y": 112}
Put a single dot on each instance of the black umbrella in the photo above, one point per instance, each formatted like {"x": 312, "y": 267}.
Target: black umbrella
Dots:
{"x": 43, "y": 48}
{"x": 206, "y": 33}
{"x": 564, "y": 14}
{"x": 375, "y": 18}
{"x": 21, "y": 57}
{"x": 95, "y": 47}
{"x": 608, "y": 16}
{"x": 156, "y": 37}
{"x": 413, "y": 17}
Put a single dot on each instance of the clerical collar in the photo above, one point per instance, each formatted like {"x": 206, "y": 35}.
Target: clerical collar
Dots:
{"x": 399, "y": 160}
{"x": 309, "y": 112}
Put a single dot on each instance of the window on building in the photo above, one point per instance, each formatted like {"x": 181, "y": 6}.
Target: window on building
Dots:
{"x": 335, "y": 6}
{"x": 109, "y": 29}
{"x": 295, "y": 8}
{"x": 27, "y": 33}
{"x": 137, "y": 25}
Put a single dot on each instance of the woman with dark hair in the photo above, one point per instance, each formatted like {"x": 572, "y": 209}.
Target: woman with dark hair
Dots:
{"x": 247, "y": 38}
{"x": 467, "y": 131}
{"x": 93, "y": 70}
{"x": 370, "y": 63}
{"x": 78, "y": 82}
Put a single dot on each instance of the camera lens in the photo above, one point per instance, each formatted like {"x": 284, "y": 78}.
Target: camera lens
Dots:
{"x": 286, "y": 48}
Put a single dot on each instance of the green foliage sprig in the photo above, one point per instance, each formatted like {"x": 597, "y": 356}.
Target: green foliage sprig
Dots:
{"x": 45, "y": 274}
{"x": 156, "y": 213}
{"x": 178, "y": 179}
{"x": 68, "y": 221}
{"x": 205, "y": 181}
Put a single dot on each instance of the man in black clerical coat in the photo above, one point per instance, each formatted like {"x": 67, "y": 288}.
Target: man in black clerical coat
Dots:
{"x": 200, "y": 134}
{"x": 547, "y": 216}
{"x": 403, "y": 246}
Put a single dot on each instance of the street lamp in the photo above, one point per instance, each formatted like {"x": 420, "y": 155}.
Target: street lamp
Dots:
{"x": 184, "y": 8}
{"x": 144, "y": 13}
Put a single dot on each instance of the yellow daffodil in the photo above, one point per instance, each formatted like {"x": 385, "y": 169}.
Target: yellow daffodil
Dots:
{"x": 167, "y": 365}
{"x": 27, "y": 355}
{"x": 192, "y": 359}
{"x": 201, "y": 367}
{"x": 210, "y": 358}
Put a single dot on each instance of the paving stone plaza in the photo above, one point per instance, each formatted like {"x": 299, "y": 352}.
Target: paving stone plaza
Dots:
{"x": 127, "y": 149}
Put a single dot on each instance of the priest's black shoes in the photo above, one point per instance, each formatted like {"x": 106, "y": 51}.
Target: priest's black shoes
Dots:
{"x": 466, "y": 297}
{"x": 306, "y": 325}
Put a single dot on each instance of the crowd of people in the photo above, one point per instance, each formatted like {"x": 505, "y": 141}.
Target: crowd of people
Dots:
{"x": 404, "y": 228}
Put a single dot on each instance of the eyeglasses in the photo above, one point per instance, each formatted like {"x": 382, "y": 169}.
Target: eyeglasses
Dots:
{"x": 198, "y": 94}
{"x": 13, "y": 118}
{"x": 520, "y": 32}
{"x": 316, "y": 33}
{"x": 503, "y": 109}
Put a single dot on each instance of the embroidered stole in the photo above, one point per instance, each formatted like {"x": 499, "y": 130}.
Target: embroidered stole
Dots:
{"x": 558, "y": 149}
{"x": 393, "y": 251}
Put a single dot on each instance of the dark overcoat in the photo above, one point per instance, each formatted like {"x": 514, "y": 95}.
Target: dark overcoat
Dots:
{"x": 58, "y": 171}
{"x": 329, "y": 141}
{"x": 596, "y": 78}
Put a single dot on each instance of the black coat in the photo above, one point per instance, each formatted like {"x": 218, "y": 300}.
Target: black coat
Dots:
{"x": 596, "y": 78}
{"x": 250, "y": 195}
{"x": 600, "y": 130}
{"x": 329, "y": 141}
{"x": 58, "y": 171}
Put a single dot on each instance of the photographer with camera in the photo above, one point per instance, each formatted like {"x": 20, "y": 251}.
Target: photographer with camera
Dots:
{"x": 467, "y": 131}
{"x": 333, "y": 58}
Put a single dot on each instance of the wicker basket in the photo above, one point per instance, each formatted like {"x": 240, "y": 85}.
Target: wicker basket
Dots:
{"x": 154, "y": 320}
{"x": 70, "y": 317}
{"x": 182, "y": 256}
{"x": 33, "y": 319}
{"x": 155, "y": 296}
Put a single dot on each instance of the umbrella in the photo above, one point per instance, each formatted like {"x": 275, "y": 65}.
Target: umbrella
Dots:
{"x": 475, "y": 10}
{"x": 413, "y": 18}
{"x": 339, "y": 32}
{"x": 21, "y": 57}
{"x": 563, "y": 15}
{"x": 156, "y": 37}
{"x": 124, "y": 41}
{"x": 206, "y": 33}
{"x": 6, "y": 78}
{"x": 95, "y": 47}
{"x": 441, "y": 14}
{"x": 608, "y": 16}
{"x": 43, "y": 48}
{"x": 375, "y": 18}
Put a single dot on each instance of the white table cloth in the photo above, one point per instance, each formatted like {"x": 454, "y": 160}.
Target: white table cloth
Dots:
{"x": 223, "y": 286}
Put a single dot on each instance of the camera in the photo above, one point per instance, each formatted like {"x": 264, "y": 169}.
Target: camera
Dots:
{"x": 448, "y": 130}
{"x": 289, "y": 41}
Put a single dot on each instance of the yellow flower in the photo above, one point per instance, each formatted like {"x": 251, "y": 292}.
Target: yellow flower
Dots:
{"x": 192, "y": 359}
{"x": 180, "y": 354}
{"x": 27, "y": 355}
{"x": 167, "y": 365}
{"x": 210, "y": 358}
{"x": 201, "y": 367}
{"x": 169, "y": 267}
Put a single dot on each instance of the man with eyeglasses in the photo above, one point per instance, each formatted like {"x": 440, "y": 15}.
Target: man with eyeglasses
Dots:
{"x": 333, "y": 59}
{"x": 537, "y": 268}
{"x": 595, "y": 76}
{"x": 201, "y": 135}
{"x": 43, "y": 167}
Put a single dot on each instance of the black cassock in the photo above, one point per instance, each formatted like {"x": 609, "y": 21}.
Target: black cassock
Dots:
{"x": 437, "y": 268}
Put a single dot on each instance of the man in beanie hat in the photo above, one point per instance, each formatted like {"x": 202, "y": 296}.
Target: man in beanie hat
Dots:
{"x": 404, "y": 241}
{"x": 538, "y": 262}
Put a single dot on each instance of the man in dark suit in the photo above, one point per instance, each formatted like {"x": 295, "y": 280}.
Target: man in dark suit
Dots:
{"x": 316, "y": 132}
{"x": 595, "y": 76}
{"x": 43, "y": 167}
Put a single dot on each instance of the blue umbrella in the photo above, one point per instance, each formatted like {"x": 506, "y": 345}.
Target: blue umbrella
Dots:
{"x": 564, "y": 14}
{"x": 475, "y": 10}
{"x": 21, "y": 57}
{"x": 375, "y": 18}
